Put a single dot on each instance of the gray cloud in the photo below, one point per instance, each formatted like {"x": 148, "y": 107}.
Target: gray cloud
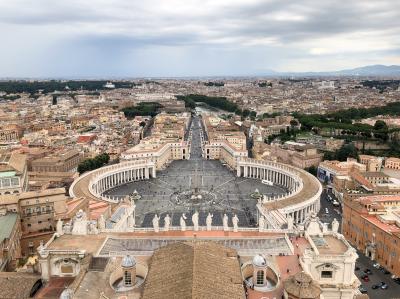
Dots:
{"x": 308, "y": 30}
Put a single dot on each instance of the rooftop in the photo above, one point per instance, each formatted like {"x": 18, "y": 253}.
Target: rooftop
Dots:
{"x": 7, "y": 223}
{"x": 194, "y": 270}
{"x": 329, "y": 244}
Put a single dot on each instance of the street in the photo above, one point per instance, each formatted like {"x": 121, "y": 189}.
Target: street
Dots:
{"x": 363, "y": 262}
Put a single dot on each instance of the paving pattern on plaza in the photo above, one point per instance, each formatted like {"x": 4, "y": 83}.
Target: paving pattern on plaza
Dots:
{"x": 219, "y": 189}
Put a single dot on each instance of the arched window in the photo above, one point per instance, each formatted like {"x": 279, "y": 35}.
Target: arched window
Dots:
{"x": 260, "y": 277}
{"x": 127, "y": 278}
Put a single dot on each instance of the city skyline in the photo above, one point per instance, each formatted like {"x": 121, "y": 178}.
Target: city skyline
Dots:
{"x": 194, "y": 38}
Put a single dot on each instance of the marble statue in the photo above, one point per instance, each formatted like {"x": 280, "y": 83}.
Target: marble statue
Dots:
{"x": 131, "y": 220}
{"x": 167, "y": 223}
{"x": 102, "y": 222}
{"x": 225, "y": 222}
{"x": 60, "y": 231}
{"x": 183, "y": 222}
{"x": 80, "y": 226}
{"x": 67, "y": 229}
{"x": 93, "y": 228}
{"x": 335, "y": 225}
{"x": 235, "y": 221}
{"x": 195, "y": 220}
{"x": 209, "y": 221}
{"x": 289, "y": 222}
{"x": 261, "y": 223}
{"x": 324, "y": 227}
{"x": 156, "y": 223}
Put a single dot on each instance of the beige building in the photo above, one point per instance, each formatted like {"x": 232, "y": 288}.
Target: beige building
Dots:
{"x": 13, "y": 174}
{"x": 166, "y": 143}
{"x": 372, "y": 163}
{"x": 39, "y": 211}
{"x": 10, "y": 133}
{"x": 66, "y": 161}
{"x": 392, "y": 163}
{"x": 10, "y": 233}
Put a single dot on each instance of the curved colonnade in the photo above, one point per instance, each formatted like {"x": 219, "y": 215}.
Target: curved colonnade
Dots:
{"x": 304, "y": 190}
{"x": 301, "y": 200}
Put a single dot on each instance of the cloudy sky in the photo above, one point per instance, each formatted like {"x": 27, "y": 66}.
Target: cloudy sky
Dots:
{"x": 98, "y": 38}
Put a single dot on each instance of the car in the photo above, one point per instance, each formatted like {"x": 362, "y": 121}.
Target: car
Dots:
{"x": 326, "y": 211}
{"x": 367, "y": 271}
{"x": 376, "y": 265}
{"x": 375, "y": 286}
{"x": 365, "y": 277}
{"x": 382, "y": 285}
{"x": 266, "y": 182}
{"x": 356, "y": 268}
{"x": 362, "y": 289}
{"x": 336, "y": 203}
{"x": 397, "y": 280}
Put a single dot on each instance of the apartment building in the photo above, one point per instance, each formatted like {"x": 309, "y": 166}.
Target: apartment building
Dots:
{"x": 392, "y": 163}
{"x": 372, "y": 163}
{"x": 10, "y": 233}
{"x": 65, "y": 161}
{"x": 39, "y": 211}
{"x": 13, "y": 173}
{"x": 372, "y": 225}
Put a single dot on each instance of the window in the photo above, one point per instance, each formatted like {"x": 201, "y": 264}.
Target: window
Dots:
{"x": 127, "y": 278}
{"x": 326, "y": 274}
{"x": 260, "y": 277}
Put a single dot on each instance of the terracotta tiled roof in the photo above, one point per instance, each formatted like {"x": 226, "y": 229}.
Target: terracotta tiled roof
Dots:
{"x": 16, "y": 285}
{"x": 199, "y": 270}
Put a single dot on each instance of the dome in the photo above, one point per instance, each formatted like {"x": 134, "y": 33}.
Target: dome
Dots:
{"x": 259, "y": 261}
{"x": 301, "y": 285}
{"x": 67, "y": 294}
{"x": 128, "y": 261}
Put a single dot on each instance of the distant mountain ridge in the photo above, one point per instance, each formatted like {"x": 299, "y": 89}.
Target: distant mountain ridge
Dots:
{"x": 369, "y": 70}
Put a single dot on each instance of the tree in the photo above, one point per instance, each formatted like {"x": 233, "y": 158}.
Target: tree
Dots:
{"x": 245, "y": 113}
{"x": 329, "y": 156}
{"x": 347, "y": 151}
{"x": 294, "y": 123}
{"x": 380, "y": 125}
{"x": 312, "y": 169}
{"x": 93, "y": 163}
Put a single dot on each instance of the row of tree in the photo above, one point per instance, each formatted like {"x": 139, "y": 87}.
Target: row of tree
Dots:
{"x": 217, "y": 84}
{"x": 142, "y": 109}
{"x": 33, "y": 87}
{"x": 93, "y": 163}
{"x": 217, "y": 102}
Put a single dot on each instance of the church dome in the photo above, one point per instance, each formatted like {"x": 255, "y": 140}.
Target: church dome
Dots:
{"x": 67, "y": 294}
{"x": 128, "y": 261}
{"x": 259, "y": 261}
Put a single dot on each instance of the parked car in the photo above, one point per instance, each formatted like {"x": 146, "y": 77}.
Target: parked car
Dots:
{"x": 356, "y": 268}
{"x": 362, "y": 289}
{"x": 376, "y": 265}
{"x": 382, "y": 285}
{"x": 375, "y": 286}
{"x": 397, "y": 280}
{"x": 365, "y": 278}
{"x": 367, "y": 271}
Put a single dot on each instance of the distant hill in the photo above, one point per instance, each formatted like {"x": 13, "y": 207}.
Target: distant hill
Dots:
{"x": 372, "y": 70}
{"x": 369, "y": 70}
